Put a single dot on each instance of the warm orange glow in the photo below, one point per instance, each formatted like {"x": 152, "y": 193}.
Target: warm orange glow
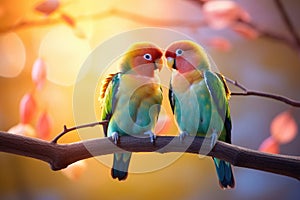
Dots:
{"x": 64, "y": 39}
{"x": 12, "y": 53}
{"x": 64, "y": 54}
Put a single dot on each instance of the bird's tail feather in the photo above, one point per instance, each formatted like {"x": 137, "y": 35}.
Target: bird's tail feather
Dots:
{"x": 225, "y": 174}
{"x": 120, "y": 166}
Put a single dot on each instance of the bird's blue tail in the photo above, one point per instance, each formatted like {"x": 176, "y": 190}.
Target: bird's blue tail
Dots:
{"x": 225, "y": 175}
{"x": 120, "y": 166}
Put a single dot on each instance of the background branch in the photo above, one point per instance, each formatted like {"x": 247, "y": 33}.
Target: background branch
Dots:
{"x": 106, "y": 14}
{"x": 60, "y": 156}
{"x": 288, "y": 22}
{"x": 158, "y": 22}
{"x": 247, "y": 92}
{"x": 266, "y": 33}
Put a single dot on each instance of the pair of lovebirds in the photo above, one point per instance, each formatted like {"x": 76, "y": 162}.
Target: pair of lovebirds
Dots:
{"x": 131, "y": 99}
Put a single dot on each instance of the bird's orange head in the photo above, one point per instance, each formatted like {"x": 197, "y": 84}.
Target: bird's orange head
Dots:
{"x": 143, "y": 59}
{"x": 185, "y": 56}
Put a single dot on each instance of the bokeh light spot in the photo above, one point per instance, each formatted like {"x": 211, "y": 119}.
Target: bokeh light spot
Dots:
{"x": 13, "y": 55}
{"x": 64, "y": 54}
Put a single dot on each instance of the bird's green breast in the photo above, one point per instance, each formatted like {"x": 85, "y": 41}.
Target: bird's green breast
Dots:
{"x": 137, "y": 108}
{"x": 193, "y": 108}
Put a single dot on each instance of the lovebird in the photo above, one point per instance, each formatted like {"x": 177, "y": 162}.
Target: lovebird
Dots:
{"x": 199, "y": 100}
{"x": 131, "y": 99}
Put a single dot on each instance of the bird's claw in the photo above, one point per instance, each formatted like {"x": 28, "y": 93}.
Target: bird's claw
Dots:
{"x": 182, "y": 135}
{"x": 115, "y": 137}
{"x": 151, "y": 135}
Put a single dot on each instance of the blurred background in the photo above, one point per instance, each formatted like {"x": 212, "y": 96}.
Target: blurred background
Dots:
{"x": 43, "y": 44}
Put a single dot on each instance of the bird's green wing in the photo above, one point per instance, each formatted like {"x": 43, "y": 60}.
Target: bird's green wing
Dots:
{"x": 219, "y": 93}
{"x": 171, "y": 97}
{"x": 109, "y": 90}
{"x": 227, "y": 123}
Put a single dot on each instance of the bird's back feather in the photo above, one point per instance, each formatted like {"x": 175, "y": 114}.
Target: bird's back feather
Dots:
{"x": 225, "y": 174}
{"x": 108, "y": 92}
{"x": 120, "y": 166}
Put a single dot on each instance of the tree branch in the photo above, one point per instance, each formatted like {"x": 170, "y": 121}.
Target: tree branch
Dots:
{"x": 287, "y": 22}
{"x": 106, "y": 14}
{"x": 66, "y": 130}
{"x": 266, "y": 33}
{"x": 60, "y": 156}
{"x": 158, "y": 22}
{"x": 247, "y": 92}
{"x": 271, "y": 35}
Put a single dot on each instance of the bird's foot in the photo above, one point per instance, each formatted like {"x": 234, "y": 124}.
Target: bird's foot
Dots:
{"x": 182, "y": 135}
{"x": 151, "y": 135}
{"x": 115, "y": 137}
{"x": 213, "y": 140}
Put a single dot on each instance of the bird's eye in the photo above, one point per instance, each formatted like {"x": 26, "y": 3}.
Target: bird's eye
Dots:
{"x": 148, "y": 56}
{"x": 179, "y": 52}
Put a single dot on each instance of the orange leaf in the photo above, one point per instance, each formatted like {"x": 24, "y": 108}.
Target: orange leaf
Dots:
{"x": 44, "y": 126}
{"x": 47, "y": 7}
{"x": 221, "y": 14}
{"x": 75, "y": 170}
{"x": 27, "y": 108}
{"x": 68, "y": 19}
{"x": 23, "y": 129}
{"x": 39, "y": 73}
{"x": 219, "y": 43}
{"x": 163, "y": 125}
{"x": 284, "y": 128}
{"x": 269, "y": 145}
{"x": 245, "y": 31}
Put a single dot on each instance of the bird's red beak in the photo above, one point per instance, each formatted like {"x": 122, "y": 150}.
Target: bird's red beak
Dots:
{"x": 170, "y": 56}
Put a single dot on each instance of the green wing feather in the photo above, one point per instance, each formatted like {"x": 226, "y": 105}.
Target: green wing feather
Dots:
{"x": 217, "y": 92}
{"x": 227, "y": 123}
{"x": 109, "y": 90}
{"x": 227, "y": 91}
{"x": 171, "y": 97}
{"x": 220, "y": 94}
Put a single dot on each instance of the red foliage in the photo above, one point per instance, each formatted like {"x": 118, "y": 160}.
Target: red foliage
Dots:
{"x": 44, "y": 126}
{"x": 47, "y": 7}
{"x": 221, "y": 14}
{"x": 27, "y": 108}
{"x": 219, "y": 43}
{"x": 245, "y": 31}
{"x": 75, "y": 170}
{"x": 68, "y": 19}
{"x": 269, "y": 145}
{"x": 39, "y": 73}
{"x": 284, "y": 128}
{"x": 23, "y": 129}
{"x": 163, "y": 125}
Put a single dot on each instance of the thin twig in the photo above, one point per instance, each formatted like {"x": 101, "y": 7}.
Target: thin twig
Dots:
{"x": 247, "y": 92}
{"x": 236, "y": 84}
{"x": 66, "y": 130}
{"x": 288, "y": 22}
{"x": 270, "y": 96}
{"x": 271, "y": 35}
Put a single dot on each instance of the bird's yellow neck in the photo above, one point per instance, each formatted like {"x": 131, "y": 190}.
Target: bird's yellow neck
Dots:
{"x": 133, "y": 83}
{"x": 182, "y": 81}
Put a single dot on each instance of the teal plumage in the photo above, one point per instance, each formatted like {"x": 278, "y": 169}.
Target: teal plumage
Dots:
{"x": 199, "y": 100}
{"x": 131, "y": 100}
